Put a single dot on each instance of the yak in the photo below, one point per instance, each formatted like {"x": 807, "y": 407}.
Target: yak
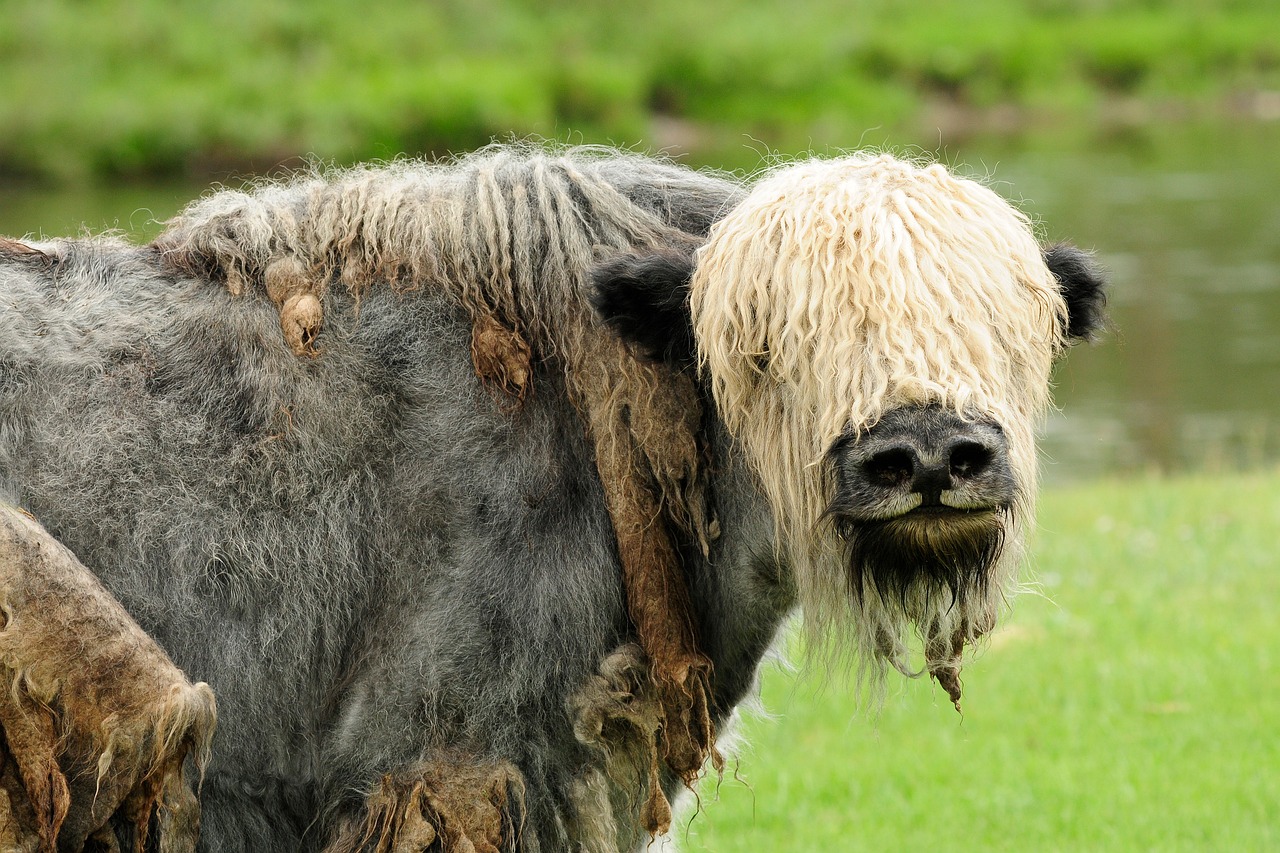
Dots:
{"x": 477, "y": 491}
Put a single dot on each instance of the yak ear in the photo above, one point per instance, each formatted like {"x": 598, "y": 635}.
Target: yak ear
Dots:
{"x": 645, "y": 299}
{"x": 1083, "y": 286}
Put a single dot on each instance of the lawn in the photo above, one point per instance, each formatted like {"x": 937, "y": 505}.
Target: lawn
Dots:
{"x": 1132, "y": 707}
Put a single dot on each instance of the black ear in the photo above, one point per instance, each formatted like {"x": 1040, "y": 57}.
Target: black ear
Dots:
{"x": 1083, "y": 287}
{"x": 645, "y": 299}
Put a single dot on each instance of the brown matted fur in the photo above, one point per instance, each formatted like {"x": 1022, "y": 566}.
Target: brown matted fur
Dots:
{"x": 96, "y": 720}
{"x": 450, "y": 802}
{"x": 838, "y": 290}
{"x": 618, "y": 713}
{"x": 509, "y": 232}
{"x": 15, "y": 250}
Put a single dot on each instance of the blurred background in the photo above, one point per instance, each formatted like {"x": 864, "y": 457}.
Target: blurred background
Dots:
{"x": 1145, "y": 129}
{"x": 1148, "y": 130}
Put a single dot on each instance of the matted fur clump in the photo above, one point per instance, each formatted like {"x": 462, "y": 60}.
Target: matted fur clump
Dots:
{"x": 96, "y": 723}
{"x": 839, "y": 290}
{"x": 511, "y": 232}
{"x": 451, "y": 802}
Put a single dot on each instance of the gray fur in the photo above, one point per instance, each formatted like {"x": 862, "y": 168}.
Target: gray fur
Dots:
{"x": 362, "y": 553}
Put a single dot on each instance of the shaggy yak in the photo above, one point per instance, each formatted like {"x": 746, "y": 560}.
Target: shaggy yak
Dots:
{"x": 477, "y": 492}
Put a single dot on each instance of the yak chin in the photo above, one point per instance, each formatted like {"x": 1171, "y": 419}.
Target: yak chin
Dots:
{"x": 925, "y": 552}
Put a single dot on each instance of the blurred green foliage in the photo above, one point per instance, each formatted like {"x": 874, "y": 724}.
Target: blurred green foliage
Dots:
{"x": 99, "y": 88}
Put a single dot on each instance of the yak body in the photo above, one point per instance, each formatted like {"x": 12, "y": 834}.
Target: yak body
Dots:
{"x": 375, "y": 560}
{"x": 364, "y": 554}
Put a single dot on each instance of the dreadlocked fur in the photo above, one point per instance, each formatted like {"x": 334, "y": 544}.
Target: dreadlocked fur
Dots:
{"x": 839, "y": 290}
{"x": 510, "y": 233}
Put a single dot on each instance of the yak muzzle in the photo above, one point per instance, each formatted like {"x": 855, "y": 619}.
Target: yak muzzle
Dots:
{"x": 922, "y": 459}
{"x": 922, "y": 495}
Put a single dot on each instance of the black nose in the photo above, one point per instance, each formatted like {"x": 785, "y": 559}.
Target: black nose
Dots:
{"x": 927, "y": 470}
{"x": 927, "y": 450}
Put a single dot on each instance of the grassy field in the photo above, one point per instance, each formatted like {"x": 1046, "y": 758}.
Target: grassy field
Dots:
{"x": 95, "y": 89}
{"x": 1134, "y": 707}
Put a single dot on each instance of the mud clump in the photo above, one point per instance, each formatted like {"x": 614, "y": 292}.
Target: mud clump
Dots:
{"x": 458, "y": 802}
{"x": 621, "y": 713}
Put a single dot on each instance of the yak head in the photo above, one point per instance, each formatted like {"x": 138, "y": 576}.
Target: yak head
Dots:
{"x": 878, "y": 338}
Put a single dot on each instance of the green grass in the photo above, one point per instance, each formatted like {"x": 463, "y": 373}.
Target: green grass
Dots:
{"x": 104, "y": 90}
{"x": 1135, "y": 707}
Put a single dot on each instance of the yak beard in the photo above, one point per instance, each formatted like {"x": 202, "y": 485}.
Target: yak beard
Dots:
{"x": 951, "y": 558}
{"x": 872, "y": 591}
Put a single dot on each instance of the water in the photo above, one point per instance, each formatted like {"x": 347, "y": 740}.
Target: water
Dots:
{"x": 1185, "y": 218}
{"x": 136, "y": 211}
{"x": 1187, "y": 221}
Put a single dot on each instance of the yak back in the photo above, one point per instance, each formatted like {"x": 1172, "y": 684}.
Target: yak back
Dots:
{"x": 509, "y": 232}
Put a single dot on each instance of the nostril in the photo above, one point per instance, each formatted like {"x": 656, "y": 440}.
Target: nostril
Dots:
{"x": 889, "y": 468}
{"x": 969, "y": 459}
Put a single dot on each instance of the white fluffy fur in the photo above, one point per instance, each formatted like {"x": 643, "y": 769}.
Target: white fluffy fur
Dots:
{"x": 840, "y": 289}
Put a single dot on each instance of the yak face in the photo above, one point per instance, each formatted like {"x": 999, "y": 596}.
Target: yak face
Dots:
{"x": 878, "y": 338}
